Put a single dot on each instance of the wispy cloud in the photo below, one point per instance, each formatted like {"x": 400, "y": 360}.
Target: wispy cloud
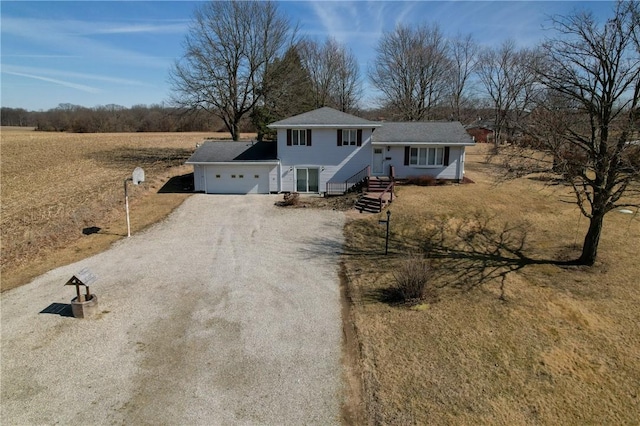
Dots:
{"x": 25, "y": 70}
{"x": 81, "y": 87}
{"x": 344, "y": 21}
{"x": 79, "y": 28}
{"x": 74, "y": 38}
{"x": 110, "y": 28}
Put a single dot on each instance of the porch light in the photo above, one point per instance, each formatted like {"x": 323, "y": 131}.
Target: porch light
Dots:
{"x": 388, "y": 148}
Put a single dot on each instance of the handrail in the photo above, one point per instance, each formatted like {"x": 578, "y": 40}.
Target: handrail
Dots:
{"x": 389, "y": 187}
{"x": 350, "y": 182}
{"x": 357, "y": 177}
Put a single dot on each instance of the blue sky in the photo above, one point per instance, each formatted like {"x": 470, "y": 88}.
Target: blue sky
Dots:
{"x": 119, "y": 52}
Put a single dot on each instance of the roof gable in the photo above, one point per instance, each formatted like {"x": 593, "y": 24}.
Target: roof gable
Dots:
{"x": 226, "y": 152}
{"x": 432, "y": 132}
{"x": 324, "y": 117}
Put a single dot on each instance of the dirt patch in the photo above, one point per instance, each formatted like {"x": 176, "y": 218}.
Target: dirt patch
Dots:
{"x": 338, "y": 202}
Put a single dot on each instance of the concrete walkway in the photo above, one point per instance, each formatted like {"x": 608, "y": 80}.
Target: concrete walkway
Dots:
{"x": 227, "y": 312}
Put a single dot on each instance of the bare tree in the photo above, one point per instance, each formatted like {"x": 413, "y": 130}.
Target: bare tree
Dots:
{"x": 334, "y": 73}
{"x": 463, "y": 53}
{"x": 589, "y": 124}
{"x": 507, "y": 74}
{"x": 411, "y": 70}
{"x": 347, "y": 87}
{"x": 229, "y": 48}
{"x": 289, "y": 92}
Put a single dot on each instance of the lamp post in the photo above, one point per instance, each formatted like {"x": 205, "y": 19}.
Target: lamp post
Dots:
{"x": 386, "y": 222}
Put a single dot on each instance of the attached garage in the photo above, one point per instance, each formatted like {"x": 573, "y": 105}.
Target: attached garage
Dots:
{"x": 236, "y": 179}
{"x": 235, "y": 168}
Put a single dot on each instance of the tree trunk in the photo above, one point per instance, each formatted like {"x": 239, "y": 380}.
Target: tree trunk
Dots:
{"x": 235, "y": 131}
{"x": 591, "y": 240}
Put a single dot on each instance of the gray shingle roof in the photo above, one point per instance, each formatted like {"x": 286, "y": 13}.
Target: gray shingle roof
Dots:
{"x": 224, "y": 152}
{"x": 324, "y": 117}
{"x": 445, "y": 132}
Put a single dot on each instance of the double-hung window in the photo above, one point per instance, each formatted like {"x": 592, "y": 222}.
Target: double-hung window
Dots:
{"x": 299, "y": 137}
{"x": 349, "y": 136}
{"x": 426, "y": 157}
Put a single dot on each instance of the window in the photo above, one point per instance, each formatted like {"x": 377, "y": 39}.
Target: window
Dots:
{"x": 349, "y": 136}
{"x": 426, "y": 157}
{"x": 256, "y": 176}
{"x": 298, "y": 136}
{"x": 217, "y": 176}
{"x": 241, "y": 176}
{"x": 233, "y": 176}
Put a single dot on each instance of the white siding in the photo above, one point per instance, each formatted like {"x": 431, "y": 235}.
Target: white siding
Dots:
{"x": 338, "y": 162}
{"x": 198, "y": 177}
{"x": 234, "y": 179}
{"x": 454, "y": 171}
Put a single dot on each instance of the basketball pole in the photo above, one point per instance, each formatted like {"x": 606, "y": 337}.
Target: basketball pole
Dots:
{"x": 126, "y": 204}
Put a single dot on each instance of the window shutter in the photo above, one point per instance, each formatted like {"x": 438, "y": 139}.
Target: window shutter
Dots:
{"x": 406, "y": 155}
{"x": 446, "y": 155}
{"x": 308, "y": 137}
{"x": 289, "y": 137}
{"x": 339, "y": 137}
{"x": 359, "y": 137}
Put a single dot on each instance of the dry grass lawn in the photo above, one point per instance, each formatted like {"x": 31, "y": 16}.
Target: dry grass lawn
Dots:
{"x": 511, "y": 337}
{"x": 55, "y": 185}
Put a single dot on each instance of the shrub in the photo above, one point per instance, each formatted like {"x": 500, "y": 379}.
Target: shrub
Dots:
{"x": 423, "y": 180}
{"x": 291, "y": 199}
{"x": 412, "y": 279}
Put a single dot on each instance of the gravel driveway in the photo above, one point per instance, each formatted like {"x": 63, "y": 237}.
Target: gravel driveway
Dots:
{"x": 227, "y": 312}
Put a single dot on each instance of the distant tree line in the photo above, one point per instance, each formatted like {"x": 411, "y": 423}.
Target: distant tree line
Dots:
{"x": 112, "y": 118}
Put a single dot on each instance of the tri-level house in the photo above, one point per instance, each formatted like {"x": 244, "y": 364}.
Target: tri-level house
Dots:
{"x": 327, "y": 151}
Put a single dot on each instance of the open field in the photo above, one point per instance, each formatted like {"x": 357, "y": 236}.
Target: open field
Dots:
{"x": 55, "y": 185}
{"x": 511, "y": 336}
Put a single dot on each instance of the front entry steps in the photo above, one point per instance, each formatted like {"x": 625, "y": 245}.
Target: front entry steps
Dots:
{"x": 379, "y": 194}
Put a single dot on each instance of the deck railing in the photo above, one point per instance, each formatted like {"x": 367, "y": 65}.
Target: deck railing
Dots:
{"x": 389, "y": 189}
{"x": 334, "y": 188}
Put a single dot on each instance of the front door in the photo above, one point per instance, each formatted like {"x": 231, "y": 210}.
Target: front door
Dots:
{"x": 378, "y": 158}
{"x": 307, "y": 180}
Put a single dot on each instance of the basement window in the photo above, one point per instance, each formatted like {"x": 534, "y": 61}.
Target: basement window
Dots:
{"x": 233, "y": 176}
{"x": 217, "y": 176}
{"x": 241, "y": 176}
{"x": 256, "y": 176}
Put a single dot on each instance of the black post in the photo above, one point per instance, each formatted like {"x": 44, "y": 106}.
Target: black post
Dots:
{"x": 386, "y": 244}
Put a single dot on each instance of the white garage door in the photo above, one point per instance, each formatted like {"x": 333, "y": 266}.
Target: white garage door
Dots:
{"x": 230, "y": 179}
